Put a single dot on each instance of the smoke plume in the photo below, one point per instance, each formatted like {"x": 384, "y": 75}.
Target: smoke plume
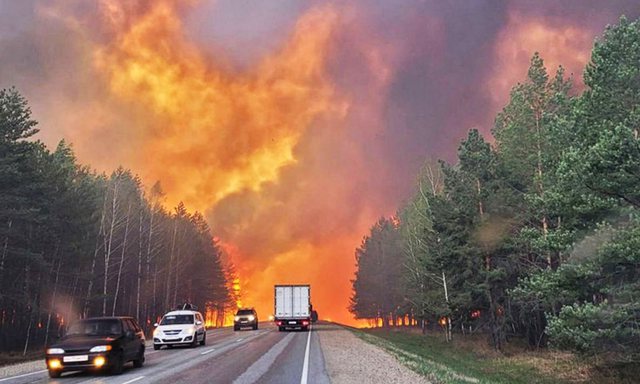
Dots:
{"x": 292, "y": 125}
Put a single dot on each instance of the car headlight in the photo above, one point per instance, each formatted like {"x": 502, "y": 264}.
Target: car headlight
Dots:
{"x": 189, "y": 330}
{"x": 156, "y": 332}
{"x": 100, "y": 348}
{"x": 236, "y": 318}
{"x": 55, "y": 351}
{"x": 251, "y": 317}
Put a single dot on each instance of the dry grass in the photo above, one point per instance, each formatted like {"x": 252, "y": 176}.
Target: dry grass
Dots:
{"x": 517, "y": 363}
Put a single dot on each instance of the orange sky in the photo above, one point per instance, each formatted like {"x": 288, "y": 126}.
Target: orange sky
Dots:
{"x": 289, "y": 154}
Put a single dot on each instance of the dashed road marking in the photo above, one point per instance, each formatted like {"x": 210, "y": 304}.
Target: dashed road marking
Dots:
{"x": 132, "y": 380}
{"x": 208, "y": 351}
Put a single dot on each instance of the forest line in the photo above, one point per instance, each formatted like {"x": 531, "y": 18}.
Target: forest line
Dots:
{"x": 534, "y": 234}
{"x": 76, "y": 243}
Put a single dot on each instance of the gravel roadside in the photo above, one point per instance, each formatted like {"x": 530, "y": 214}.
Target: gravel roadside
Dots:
{"x": 350, "y": 360}
{"x": 19, "y": 369}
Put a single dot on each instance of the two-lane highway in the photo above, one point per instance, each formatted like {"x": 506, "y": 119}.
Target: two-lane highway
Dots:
{"x": 261, "y": 356}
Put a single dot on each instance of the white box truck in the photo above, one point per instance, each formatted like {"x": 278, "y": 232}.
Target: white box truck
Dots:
{"x": 292, "y": 307}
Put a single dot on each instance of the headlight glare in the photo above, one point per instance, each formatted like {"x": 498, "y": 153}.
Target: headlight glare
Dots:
{"x": 55, "y": 351}
{"x": 251, "y": 317}
{"x": 100, "y": 348}
{"x": 236, "y": 318}
{"x": 99, "y": 361}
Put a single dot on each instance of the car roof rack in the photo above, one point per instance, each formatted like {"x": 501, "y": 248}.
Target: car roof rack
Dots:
{"x": 187, "y": 307}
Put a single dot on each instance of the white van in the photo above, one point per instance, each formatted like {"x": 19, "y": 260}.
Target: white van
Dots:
{"x": 184, "y": 327}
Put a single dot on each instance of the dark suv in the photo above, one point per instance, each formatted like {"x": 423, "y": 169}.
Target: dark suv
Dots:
{"x": 245, "y": 317}
{"x": 96, "y": 344}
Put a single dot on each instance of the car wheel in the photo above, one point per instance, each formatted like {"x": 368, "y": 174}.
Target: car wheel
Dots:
{"x": 255, "y": 327}
{"x": 280, "y": 329}
{"x": 156, "y": 347}
{"x": 306, "y": 328}
{"x": 204, "y": 339}
{"x": 194, "y": 343}
{"x": 54, "y": 374}
{"x": 118, "y": 364}
{"x": 137, "y": 363}
{"x": 236, "y": 328}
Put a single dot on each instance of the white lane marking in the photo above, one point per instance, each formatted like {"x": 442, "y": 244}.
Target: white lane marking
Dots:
{"x": 132, "y": 380}
{"x": 239, "y": 340}
{"x": 208, "y": 351}
{"x": 305, "y": 365}
{"x": 26, "y": 374}
{"x": 264, "y": 363}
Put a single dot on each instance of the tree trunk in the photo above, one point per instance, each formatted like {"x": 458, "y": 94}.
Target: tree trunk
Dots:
{"x": 148, "y": 263}
{"x": 53, "y": 302}
{"x": 139, "y": 267}
{"x": 479, "y": 190}
{"x": 539, "y": 171}
{"x": 26, "y": 341}
{"x": 95, "y": 257}
{"x": 5, "y": 247}
{"x": 173, "y": 244}
{"x": 107, "y": 255}
{"x": 176, "y": 276}
{"x": 155, "y": 302}
{"x": 124, "y": 249}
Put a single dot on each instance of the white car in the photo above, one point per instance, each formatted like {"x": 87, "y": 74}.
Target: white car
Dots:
{"x": 180, "y": 328}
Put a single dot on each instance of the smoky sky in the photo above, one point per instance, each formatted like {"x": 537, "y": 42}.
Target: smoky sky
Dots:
{"x": 445, "y": 51}
{"x": 404, "y": 82}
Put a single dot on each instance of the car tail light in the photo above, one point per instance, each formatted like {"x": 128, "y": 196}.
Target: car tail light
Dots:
{"x": 278, "y": 323}
{"x": 305, "y": 322}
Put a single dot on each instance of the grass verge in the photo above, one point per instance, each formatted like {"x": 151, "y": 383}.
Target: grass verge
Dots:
{"x": 469, "y": 360}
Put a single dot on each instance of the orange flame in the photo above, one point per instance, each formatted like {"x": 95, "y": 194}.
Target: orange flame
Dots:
{"x": 211, "y": 133}
{"x": 235, "y": 131}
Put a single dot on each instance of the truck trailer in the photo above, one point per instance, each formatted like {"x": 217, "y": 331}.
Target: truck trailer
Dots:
{"x": 292, "y": 307}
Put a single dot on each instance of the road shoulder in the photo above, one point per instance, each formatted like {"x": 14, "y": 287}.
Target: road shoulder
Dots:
{"x": 22, "y": 368}
{"x": 350, "y": 360}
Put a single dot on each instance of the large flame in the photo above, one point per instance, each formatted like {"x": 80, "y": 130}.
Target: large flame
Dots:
{"x": 216, "y": 132}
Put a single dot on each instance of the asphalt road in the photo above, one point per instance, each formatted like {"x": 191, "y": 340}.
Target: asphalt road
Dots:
{"x": 243, "y": 357}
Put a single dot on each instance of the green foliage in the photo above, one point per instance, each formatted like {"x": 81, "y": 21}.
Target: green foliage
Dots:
{"x": 16, "y": 123}
{"x": 606, "y": 317}
{"x": 598, "y": 328}
{"x": 540, "y": 231}
{"x": 376, "y": 288}
{"x": 608, "y": 116}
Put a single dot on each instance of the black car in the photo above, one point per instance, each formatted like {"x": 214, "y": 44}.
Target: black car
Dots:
{"x": 245, "y": 317}
{"x": 96, "y": 344}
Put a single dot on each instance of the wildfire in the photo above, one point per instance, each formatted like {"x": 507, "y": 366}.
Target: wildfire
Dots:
{"x": 289, "y": 169}
{"x": 214, "y": 132}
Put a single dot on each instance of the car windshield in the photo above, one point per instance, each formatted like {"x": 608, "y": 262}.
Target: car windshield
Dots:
{"x": 244, "y": 312}
{"x": 103, "y": 327}
{"x": 177, "y": 319}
